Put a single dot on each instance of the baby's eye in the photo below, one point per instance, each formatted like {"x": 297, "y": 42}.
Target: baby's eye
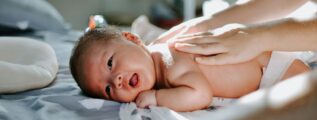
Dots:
{"x": 108, "y": 91}
{"x": 109, "y": 64}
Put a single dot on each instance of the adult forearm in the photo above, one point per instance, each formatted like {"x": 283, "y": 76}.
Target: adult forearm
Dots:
{"x": 255, "y": 11}
{"x": 289, "y": 35}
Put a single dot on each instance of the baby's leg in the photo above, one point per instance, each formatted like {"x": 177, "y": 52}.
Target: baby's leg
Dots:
{"x": 297, "y": 67}
{"x": 278, "y": 66}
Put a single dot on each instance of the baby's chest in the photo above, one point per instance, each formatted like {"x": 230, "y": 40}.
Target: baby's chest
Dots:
{"x": 182, "y": 64}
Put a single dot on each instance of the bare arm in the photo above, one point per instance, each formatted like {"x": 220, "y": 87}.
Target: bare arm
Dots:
{"x": 241, "y": 45}
{"x": 182, "y": 99}
{"x": 256, "y": 11}
{"x": 191, "y": 92}
{"x": 288, "y": 35}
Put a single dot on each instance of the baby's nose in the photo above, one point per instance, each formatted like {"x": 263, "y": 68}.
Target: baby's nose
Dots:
{"x": 118, "y": 81}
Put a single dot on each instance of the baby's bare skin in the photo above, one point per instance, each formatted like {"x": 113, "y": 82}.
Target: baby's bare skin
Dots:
{"x": 125, "y": 70}
{"x": 202, "y": 81}
{"x": 190, "y": 86}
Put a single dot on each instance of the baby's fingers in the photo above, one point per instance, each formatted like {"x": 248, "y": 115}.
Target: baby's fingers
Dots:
{"x": 138, "y": 101}
{"x": 142, "y": 104}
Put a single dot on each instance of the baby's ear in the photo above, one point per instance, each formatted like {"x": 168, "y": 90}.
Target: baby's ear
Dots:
{"x": 132, "y": 37}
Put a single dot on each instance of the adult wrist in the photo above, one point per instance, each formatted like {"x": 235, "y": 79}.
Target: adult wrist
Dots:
{"x": 268, "y": 39}
{"x": 213, "y": 22}
{"x": 263, "y": 38}
{"x": 204, "y": 23}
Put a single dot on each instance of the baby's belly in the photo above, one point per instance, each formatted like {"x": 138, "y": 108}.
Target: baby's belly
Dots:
{"x": 233, "y": 80}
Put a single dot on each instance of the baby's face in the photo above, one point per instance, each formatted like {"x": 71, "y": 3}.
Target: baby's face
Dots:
{"x": 118, "y": 71}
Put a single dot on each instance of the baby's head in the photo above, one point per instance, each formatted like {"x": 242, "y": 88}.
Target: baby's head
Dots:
{"x": 110, "y": 64}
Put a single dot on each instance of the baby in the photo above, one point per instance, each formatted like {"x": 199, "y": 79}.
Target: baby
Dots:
{"x": 115, "y": 65}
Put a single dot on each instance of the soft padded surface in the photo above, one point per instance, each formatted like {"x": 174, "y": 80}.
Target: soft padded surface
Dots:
{"x": 25, "y": 64}
{"x": 31, "y": 14}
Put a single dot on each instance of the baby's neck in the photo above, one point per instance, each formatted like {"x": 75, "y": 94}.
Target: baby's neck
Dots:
{"x": 162, "y": 59}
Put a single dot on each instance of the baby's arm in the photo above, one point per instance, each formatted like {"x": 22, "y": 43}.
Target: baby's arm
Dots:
{"x": 183, "y": 98}
{"x": 192, "y": 92}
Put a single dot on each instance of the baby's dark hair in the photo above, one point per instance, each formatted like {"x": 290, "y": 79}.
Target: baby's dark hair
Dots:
{"x": 97, "y": 35}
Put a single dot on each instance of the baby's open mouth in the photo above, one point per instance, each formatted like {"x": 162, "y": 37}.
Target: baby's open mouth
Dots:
{"x": 134, "y": 80}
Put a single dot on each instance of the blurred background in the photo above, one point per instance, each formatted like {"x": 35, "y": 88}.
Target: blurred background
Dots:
{"x": 163, "y": 13}
{"x": 60, "y": 16}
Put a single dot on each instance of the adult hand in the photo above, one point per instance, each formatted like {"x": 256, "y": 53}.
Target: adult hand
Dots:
{"x": 195, "y": 25}
{"x": 231, "y": 47}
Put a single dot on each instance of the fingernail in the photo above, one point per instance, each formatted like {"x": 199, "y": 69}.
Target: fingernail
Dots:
{"x": 198, "y": 59}
{"x": 170, "y": 42}
{"x": 179, "y": 45}
{"x": 182, "y": 45}
{"x": 201, "y": 61}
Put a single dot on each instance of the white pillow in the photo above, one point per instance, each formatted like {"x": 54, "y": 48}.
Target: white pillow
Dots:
{"x": 25, "y": 64}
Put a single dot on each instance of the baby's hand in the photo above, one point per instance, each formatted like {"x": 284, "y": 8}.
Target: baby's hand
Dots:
{"x": 146, "y": 98}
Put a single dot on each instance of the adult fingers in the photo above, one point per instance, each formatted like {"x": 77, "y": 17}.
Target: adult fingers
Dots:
{"x": 197, "y": 40}
{"x": 195, "y": 34}
{"x": 229, "y": 33}
{"x": 203, "y": 49}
